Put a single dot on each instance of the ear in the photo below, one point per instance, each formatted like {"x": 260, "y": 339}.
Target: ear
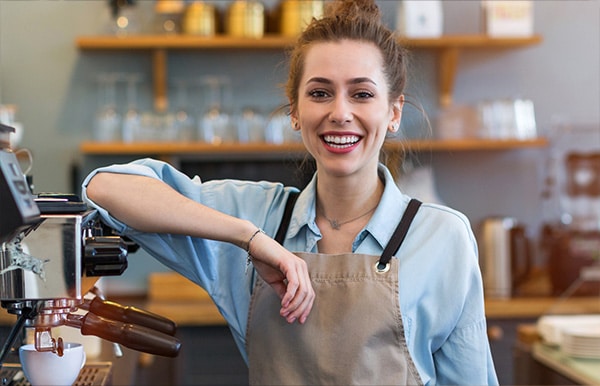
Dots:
{"x": 294, "y": 122}
{"x": 396, "y": 114}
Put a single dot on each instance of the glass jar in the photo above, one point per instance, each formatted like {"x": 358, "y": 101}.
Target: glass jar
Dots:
{"x": 199, "y": 19}
{"x": 246, "y": 18}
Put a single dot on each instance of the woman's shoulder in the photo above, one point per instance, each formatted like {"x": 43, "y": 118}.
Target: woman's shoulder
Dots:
{"x": 244, "y": 188}
{"x": 446, "y": 225}
{"x": 445, "y": 214}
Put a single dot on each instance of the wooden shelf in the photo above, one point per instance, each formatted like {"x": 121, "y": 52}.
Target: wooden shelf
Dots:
{"x": 174, "y": 42}
{"x": 150, "y": 42}
{"x": 201, "y": 148}
{"x": 183, "y": 148}
{"x": 448, "y": 48}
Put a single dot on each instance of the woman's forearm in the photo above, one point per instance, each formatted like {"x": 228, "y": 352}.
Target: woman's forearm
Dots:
{"x": 150, "y": 205}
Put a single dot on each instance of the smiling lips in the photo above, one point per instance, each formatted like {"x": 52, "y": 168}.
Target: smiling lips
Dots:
{"x": 341, "y": 141}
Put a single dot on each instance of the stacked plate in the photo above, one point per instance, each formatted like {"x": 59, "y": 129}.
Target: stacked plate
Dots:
{"x": 576, "y": 335}
{"x": 582, "y": 341}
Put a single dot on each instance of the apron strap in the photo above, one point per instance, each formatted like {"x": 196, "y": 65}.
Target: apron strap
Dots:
{"x": 392, "y": 246}
{"x": 287, "y": 216}
{"x": 399, "y": 234}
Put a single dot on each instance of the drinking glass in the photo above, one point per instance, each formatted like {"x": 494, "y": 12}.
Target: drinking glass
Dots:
{"x": 214, "y": 123}
{"x": 132, "y": 119}
{"x": 250, "y": 126}
{"x": 184, "y": 122}
{"x": 107, "y": 123}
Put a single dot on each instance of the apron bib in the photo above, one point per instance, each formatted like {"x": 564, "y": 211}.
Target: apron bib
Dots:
{"x": 354, "y": 334}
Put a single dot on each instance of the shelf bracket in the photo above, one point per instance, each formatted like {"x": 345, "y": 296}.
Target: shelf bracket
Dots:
{"x": 159, "y": 77}
{"x": 448, "y": 62}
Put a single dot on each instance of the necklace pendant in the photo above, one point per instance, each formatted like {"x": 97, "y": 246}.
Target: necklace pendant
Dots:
{"x": 334, "y": 224}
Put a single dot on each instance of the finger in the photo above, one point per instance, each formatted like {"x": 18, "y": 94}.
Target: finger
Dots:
{"x": 293, "y": 277}
{"x": 291, "y": 291}
{"x": 309, "y": 300}
{"x": 307, "y": 309}
{"x": 300, "y": 312}
{"x": 280, "y": 288}
{"x": 300, "y": 306}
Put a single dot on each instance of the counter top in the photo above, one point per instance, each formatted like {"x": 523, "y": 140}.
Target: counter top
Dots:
{"x": 204, "y": 313}
{"x": 536, "y": 306}
{"x": 194, "y": 312}
{"x": 175, "y": 297}
{"x": 582, "y": 371}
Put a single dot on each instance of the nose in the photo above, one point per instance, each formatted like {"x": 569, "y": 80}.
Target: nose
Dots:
{"x": 341, "y": 111}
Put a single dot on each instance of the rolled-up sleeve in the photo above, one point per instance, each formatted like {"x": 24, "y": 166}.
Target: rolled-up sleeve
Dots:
{"x": 216, "y": 266}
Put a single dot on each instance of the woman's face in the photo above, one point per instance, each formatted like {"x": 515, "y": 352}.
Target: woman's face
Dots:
{"x": 343, "y": 111}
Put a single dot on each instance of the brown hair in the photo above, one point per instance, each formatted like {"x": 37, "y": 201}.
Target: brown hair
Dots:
{"x": 350, "y": 20}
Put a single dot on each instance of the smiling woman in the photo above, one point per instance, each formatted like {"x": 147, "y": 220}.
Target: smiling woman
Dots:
{"x": 346, "y": 105}
{"x": 351, "y": 255}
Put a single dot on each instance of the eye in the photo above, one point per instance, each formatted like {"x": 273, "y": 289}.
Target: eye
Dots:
{"x": 318, "y": 94}
{"x": 363, "y": 95}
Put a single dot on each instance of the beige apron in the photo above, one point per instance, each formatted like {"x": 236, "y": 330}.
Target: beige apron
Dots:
{"x": 353, "y": 336}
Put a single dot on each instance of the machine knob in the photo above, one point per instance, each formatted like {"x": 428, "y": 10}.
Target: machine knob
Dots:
{"x": 105, "y": 256}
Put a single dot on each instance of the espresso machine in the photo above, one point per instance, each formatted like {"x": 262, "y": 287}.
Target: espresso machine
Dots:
{"x": 53, "y": 251}
{"x": 570, "y": 237}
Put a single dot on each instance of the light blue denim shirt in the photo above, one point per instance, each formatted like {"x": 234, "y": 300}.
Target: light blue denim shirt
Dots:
{"x": 440, "y": 294}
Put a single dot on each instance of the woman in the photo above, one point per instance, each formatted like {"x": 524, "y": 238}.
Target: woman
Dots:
{"x": 358, "y": 302}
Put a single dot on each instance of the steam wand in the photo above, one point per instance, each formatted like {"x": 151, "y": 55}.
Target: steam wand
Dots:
{"x": 27, "y": 313}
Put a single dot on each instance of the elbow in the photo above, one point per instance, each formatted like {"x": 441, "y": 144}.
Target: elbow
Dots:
{"x": 96, "y": 189}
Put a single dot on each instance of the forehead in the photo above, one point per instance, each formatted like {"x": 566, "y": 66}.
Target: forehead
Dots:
{"x": 346, "y": 59}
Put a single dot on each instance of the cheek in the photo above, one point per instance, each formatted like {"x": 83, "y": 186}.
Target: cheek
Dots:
{"x": 308, "y": 122}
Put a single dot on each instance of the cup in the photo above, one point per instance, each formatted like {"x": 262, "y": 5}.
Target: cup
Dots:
{"x": 45, "y": 368}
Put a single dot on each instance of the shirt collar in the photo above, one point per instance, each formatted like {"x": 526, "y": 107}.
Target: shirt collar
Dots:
{"x": 305, "y": 210}
{"x": 384, "y": 221}
{"x": 380, "y": 227}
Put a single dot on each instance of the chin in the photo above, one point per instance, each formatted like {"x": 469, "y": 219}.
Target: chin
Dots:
{"x": 339, "y": 168}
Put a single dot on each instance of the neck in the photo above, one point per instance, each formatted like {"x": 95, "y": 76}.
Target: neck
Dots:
{"x": 342, "y": 199}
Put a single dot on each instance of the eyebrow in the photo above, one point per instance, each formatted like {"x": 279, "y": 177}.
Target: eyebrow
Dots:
{"x": 352, "y": 81}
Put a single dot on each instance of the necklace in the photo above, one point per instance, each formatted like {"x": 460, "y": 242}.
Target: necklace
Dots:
{"x": 335, "y": 224}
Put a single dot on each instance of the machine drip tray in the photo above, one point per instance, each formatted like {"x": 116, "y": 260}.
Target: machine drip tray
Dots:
{"x": 92, "y": 374}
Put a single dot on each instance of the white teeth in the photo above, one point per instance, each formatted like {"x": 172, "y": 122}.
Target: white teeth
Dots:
{"x": 341, "y": 140}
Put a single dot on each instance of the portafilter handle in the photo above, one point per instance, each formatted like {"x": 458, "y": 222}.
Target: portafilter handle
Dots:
{"x": 129, "y": 314}
{"x": 135, "y": 337}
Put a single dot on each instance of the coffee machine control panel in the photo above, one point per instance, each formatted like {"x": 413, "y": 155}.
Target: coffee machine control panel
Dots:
{"x": 17, "y": 204}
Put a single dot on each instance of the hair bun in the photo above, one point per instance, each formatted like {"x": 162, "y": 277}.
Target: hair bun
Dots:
{"x": 353, "y": 9}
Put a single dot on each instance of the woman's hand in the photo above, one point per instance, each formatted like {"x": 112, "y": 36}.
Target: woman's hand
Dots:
{"x": 287, "y": 274}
